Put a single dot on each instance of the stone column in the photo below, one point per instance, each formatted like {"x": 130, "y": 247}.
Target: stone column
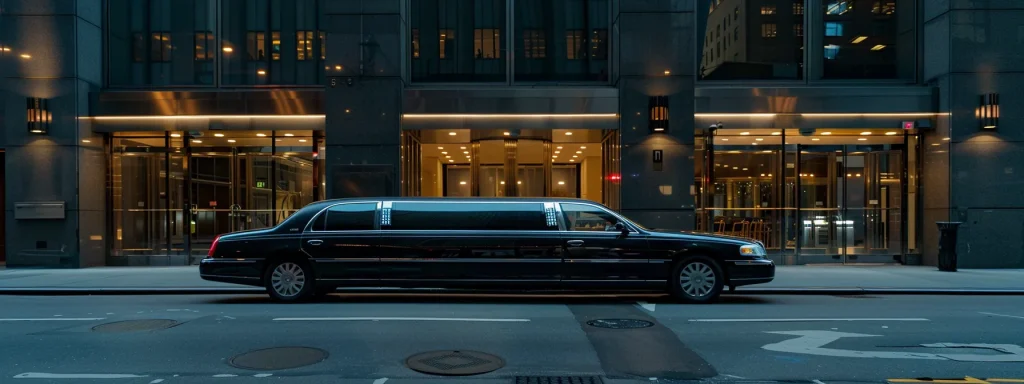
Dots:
{"x": 654, "y": 57}
{"x": 365, "y": 62}
{"x": 52, "y": 49}
{"x": 973, "y": 48}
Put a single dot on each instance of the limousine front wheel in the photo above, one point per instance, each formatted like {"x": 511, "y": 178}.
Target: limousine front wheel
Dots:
{"x": 697, "y": 280}
{"x": 289, "y": 280}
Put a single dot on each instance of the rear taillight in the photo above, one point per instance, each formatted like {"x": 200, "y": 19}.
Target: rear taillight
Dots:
{"x": 213, "y": 247}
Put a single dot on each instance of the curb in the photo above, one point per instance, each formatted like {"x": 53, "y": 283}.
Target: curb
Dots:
{"x": 260, "y": 291}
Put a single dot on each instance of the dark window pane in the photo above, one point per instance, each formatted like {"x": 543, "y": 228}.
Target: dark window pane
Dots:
{"x": 160, "y": 42}
{"x": 563, "y": 40}
{"x": 468, "y": 216}
{"x": 351, "y": 217}
{"x": 581, "y": 217}
{"x": 457, "y": 41}
{"x": 868, "y": 39}
{"x": 753, "y": 45}
{"x": 284, "y": 42}
{"x": 319, "y": 223}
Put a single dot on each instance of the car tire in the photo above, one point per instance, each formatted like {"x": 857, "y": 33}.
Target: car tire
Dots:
{"x": 290, "y": 281}
{"x": 696, "y": 280}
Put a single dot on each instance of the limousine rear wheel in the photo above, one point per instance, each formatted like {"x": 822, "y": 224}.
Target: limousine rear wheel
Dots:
{"x": 697, "y": 279}
{"x": 290, "y": 280}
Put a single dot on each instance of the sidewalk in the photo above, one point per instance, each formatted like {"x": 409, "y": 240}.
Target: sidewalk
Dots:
{"x": 788, "y": 279}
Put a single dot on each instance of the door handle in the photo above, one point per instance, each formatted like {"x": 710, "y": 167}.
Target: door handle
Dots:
{"x": 574, "y": 243}
{"x": 315, "y": 242}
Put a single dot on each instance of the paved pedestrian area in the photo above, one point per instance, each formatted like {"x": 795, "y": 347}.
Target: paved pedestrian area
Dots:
{"x": 892, "y": 279}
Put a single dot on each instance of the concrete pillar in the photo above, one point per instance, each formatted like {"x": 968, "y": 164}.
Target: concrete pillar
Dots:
{"x": 972, "y": 48}
{"x": 363, "y": 98}
{"x": 52, "y": 50}
{"x": 654, "y": 57}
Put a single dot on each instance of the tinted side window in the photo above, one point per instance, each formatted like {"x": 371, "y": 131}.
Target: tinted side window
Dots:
{"x": 582, "y": 217}
{"x": 351, "y": 217}
{"x": 469, "y": 216}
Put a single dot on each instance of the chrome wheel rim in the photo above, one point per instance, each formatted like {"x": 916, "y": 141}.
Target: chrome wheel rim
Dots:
{"x": 288, "y": 279}
{"x": 697, "y": 279}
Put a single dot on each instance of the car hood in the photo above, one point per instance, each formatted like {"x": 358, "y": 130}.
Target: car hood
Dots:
{"x": 689, "y": 235}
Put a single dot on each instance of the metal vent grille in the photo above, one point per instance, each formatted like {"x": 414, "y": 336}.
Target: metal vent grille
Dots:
{"x": 549, "y": 215}
{"x": 558, "y": 380}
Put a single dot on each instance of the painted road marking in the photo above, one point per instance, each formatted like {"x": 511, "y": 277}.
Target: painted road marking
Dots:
{"x": 401, "y": 319}
{"x": 811, "y": 342}
{"x": 57, "y": 319}
{"x": 646, "y": 305}
{"x": 1001, "y": 315}
{"x": 965, "y": 380}
{"x": 42, "y": 375}
{"x": 157, "y": 381}
{"x": 800, "y": 320}
{"x": 380, "y": 380}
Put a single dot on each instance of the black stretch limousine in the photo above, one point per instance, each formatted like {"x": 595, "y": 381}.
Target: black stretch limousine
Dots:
{"x": 479, "y": 243}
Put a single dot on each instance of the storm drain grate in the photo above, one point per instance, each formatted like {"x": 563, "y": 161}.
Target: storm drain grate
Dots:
{"x": 620, "y": 323}
{"x": 135, "y": 325}
{"x": 454, "y": 363}
{"x": 558, "y": 380}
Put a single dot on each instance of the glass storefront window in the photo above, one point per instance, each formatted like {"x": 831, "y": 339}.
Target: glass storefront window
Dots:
{"x": 268, "y": 42}
{"x": 561, "y": 40}
{"x": 458, "y": 41}
{"x": 752, "y": 40}
{"x": 868, "y": 39}
{"x": 172, "y": 193}
{"x": 161, "y": 42}
{"x": 824, "y": 195}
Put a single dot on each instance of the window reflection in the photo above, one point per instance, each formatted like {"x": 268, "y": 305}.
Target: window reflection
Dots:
{"x": 160, "y": 42}
{"x": 752, "y": 39}
{"x": 561, "y": 40}
{"x": 455, "y": 41}
{"x": 284, "y": 42}
{"x": 868, "y": 39}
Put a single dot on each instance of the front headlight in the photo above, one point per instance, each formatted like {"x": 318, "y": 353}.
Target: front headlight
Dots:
{"x": 755, "y": 250}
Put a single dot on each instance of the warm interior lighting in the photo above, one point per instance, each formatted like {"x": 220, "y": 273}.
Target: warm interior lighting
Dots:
{"x": 25, "y": 56}
{"x": 815, "y": 139}
{"x": 579, "y": 151}
{"x": 451, "y": 161}
{"x": 865, "y": 133}
{"x": 776, "y": 133}
{"x": 901, "y": 114}
{"x": 581, "y": 147}
{"x": 197, "y": 141}
{"x": 945, "y": 139}
{"x": 462, "y": 147}
{"x": 890, "y": 133}
{"x": 261, "y": 135}
{"x": 465, "y": 153}
{"x": 572, "y": 161}
{"x": 205, "y": 117}
{"x": 744, "y": 133}
{"x": 878, "y": 47}
{"x": 231, "y": 140}
{"x": 568, "y": 133}
{"x": 462, "y": 183}
{"x": 862, "y": 139}
{"x": 228, "y": 49}
{"x": 175, "y": 135}
{"x": 668, "y": 72}
{"x": 754, "y": 115}
{"x": 218, "y": 134}
{"x": 507, "y": 133}
{"x": 859, "y": 39}
{"x": 561, "y": 183}
{"x": 444, "y": 153}
{"x": 509, "y": 116}
{"x": 759, "y": 139}
{"x": 452, "y": 133}
{"x": 261, "y": 72}
{"x": 826, "y": 133}
{"x": 337, "y": 67}
{"x": 725, "y": 139}
{"x": 557, "y": 152}
{"x": 443, "y": 148}
{"x": 86, "y": 141}
{"x": 289, "y": 134}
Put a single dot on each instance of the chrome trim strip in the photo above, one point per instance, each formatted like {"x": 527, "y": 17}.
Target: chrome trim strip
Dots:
{"x": 230, "y": 277}
{"x": 321, "y": 211}
{"x": 347, "y": 260}
{"x": 632, "y": 261}
{"x": 228, "y": 261}
{"x": 752, "y": 262}
{"x": 466, "y": 260}
{"x": 752, "y": 278}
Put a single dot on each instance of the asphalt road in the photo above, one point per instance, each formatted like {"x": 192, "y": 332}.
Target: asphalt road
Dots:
{"x": 367, "y": 338}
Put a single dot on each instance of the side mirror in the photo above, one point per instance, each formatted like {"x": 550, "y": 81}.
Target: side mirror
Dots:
{"x": 622, "y": 228}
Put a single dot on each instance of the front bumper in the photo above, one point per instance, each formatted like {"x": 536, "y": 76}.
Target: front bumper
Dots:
{"x": 235, "y": 271}
{"x": 750, "y": 271}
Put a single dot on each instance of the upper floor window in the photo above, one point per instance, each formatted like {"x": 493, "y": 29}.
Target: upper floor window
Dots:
{"x": 446, "y": 43}
{"x": 304, "y": 45}
{"x": 754, "y": 47}
{"x": 534, "y": 45}
{"x": 798, "y": 7}
{"x": 487, "y": 43}
{"x": 769, "y": 30}
{"x": 884, "y": 7}
{"x": 204, "y": 46}
{"x": 838, "y": 7}
{"x": 254, "y": 45}
{"x": 767, "y": 9}
{"x": 160, "y": 42}
{"x": 415, "y": 43}
{"x": 160, "y": 47}
{"x": 283, "y": 42}
{"x": 457, "y": 41}
{"x": 868, "y": 45}
{"x": 833, "y": 29}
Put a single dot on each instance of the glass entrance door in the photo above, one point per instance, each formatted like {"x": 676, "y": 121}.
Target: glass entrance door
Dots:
{"x": 850, "y": 200}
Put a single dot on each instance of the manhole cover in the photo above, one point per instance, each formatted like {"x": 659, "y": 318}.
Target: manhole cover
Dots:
{"x": 272, "y": 359}
{"x": 454, "y": 363}
{"x": 620, "y": 323}
{"x": 135, "y": 325}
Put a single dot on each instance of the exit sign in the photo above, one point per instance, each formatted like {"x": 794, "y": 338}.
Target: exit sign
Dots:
{"x": 908, "y": 125}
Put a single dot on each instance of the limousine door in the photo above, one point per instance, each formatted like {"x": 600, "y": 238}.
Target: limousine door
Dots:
{"x": 448, "y": 243}
{"x": 597, "y": 251}
{"x": 343, "y": 243}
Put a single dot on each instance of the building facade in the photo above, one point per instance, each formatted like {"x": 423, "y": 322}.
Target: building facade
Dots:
{"x": 834, "y": 131}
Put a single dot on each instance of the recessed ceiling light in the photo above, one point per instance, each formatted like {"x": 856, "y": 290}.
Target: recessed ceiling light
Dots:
{"x": 945, "y": 139}
{"x": 465, "y": 152}
{"x": 451, "y": 161}
{"x": 890, "y": 133}
{"x": 462, "y": 183}
{"x": 175, "y": 135}
{"x": 218, "y": 134}
{"x": 559, "y": 147}
{"x": 859, "y": 39}
{"x": 865, "y": 133}
{"x": 725, "y": 139}
{"x": 776, "y": 133}
{"x": 231, "y": 140}
{"x": 826, "y": 133}
{"x": 579, "y": 151}
{"x": 744, "y": 133}
{"x": 561, "y": 183}
{"x": 197, "y": 141}
{"x": 86, "y": 141}
{"x": 759, "y": 139}
{"x": 447, "y": 157}
{"x": 572, "y": 161}
{"x": 452, "y": 133}
{"x": 444, "y": 152}
{"x": 507, "y": 133}
{"x": 568, "y": 133}
{"x": 289, "y": 134}
{"x": 302, "y": 140}
{"x": 862, "y": 139}
{"x": 261, "y": 135}
{"x": 462, "y": 147}
{"x": 574, "y": 156}
{"x": 815, "y": 139}
{"x": 261, "y": 72}
{"x": 443, "y": 148}
{"x": 583, "y": 147}
{"x": 878, "y": 47}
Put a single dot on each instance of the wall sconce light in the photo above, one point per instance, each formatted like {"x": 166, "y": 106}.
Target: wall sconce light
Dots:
{"x": 658, "y": 106}
{"x": 988, "y": 111}
{"x": 38, "y": 116}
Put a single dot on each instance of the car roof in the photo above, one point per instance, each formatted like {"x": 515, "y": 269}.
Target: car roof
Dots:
{"x": 464, "y": 199}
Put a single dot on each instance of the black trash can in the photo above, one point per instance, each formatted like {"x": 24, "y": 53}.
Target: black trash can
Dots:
{"x": 947, "y": 245}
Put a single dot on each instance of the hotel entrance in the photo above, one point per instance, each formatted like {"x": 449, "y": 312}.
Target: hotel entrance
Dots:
{"x": 822, "y": 196}
{"x": 505, "y": 163}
